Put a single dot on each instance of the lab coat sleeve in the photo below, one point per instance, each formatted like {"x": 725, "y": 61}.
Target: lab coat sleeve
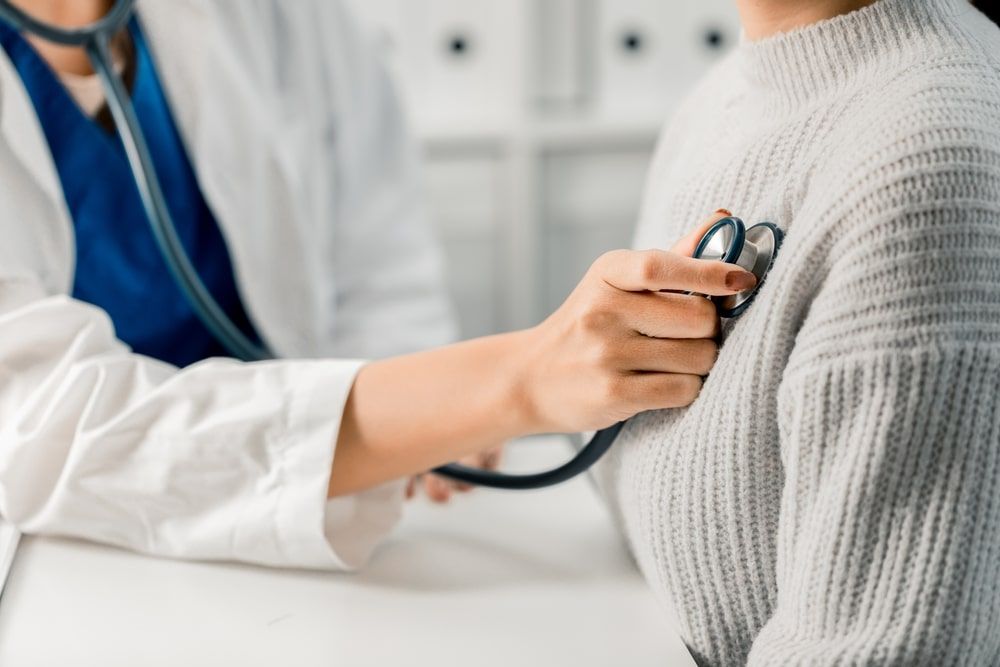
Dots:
{"x": 220, "y": 461}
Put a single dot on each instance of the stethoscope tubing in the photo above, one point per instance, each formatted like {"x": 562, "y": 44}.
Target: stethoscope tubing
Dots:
{"x": 157, "y": 211}
{"x": 585, "y": 459}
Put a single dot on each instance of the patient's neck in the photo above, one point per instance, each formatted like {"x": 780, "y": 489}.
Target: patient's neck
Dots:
{"x": 68, "y": 14}
{"x": 763, "y": 18}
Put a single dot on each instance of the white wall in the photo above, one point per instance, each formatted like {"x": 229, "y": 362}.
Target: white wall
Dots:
{"x": 537, "y": 120}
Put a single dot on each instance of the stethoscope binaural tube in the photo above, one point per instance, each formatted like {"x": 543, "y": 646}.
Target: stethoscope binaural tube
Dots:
{"x": 729, "y": 240}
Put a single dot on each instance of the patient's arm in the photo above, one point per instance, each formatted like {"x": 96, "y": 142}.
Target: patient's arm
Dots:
{"x": 889, "y": 533}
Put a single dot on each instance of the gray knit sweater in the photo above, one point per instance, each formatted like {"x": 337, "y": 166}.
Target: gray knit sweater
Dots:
{"x": 833, "y": 497}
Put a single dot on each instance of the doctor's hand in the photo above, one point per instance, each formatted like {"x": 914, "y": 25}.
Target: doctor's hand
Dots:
{"x": 629, "y": 339}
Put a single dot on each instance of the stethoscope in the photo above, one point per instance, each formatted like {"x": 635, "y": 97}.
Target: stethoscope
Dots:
{"x": 729, "y": 240}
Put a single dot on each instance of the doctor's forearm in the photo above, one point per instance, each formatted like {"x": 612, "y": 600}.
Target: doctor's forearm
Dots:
{"x": 618, "y": 346}
{"x": 409, "y": 414}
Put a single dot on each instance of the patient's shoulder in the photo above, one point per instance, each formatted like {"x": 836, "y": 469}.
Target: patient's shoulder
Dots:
{"x": 921, "y": 102}
{"x": 932, "y": 129}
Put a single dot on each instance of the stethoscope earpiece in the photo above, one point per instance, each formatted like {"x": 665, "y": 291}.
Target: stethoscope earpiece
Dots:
{"x": 730, "y": 241}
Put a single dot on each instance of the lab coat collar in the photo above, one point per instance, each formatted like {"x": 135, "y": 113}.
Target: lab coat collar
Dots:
{"x": 179, "y": 27}
{"x": 22, "y": 132}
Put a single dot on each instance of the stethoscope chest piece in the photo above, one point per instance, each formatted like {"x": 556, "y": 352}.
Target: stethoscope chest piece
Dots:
{"x": 755, "y": 248}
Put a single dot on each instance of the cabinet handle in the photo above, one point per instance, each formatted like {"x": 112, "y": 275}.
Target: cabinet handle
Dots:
{"x": 459, "y": 45}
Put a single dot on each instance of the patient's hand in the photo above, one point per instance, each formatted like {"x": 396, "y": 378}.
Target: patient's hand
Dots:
{"x": 440, "y": 489}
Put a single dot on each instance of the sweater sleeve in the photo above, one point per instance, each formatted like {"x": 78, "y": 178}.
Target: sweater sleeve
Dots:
{"x": 889, "y": 408}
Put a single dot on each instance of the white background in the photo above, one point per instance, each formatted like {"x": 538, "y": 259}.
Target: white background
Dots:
{"x": 537, "y": 120}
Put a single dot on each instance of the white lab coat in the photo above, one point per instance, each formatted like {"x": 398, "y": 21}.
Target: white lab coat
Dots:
{"x": 295, "y": 134}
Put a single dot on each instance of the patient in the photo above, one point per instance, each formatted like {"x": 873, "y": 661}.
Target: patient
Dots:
{"x": 833, "y": 497}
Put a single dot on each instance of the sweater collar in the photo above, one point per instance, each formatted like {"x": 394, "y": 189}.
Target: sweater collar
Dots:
{"x": 794, "y": 68}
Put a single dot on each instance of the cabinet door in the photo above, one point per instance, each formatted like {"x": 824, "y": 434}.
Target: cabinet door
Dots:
{"x": 648, "y": 52}
{"x": 464, "y": 204}
{"x": 591, "y": 204}
{"x": 560, "y": 49}
{"x": 468, "y": 57}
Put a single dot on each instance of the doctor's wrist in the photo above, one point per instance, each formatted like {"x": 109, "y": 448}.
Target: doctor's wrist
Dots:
{"x": 521, "y": 387}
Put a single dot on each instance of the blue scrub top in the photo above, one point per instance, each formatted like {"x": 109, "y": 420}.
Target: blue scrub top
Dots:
{"x": 118, "y": 264}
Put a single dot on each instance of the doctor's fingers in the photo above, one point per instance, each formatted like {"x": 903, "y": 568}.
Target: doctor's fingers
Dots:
{"x": 659, "y": 270}
{"x": 660, "y": 391}
{"x": 687, "y": 245}
{"x": 668, "y": 315}
{"x": 641, "y": 354}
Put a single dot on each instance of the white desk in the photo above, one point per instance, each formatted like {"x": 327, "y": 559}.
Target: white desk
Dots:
{"x": 497, "y": 579}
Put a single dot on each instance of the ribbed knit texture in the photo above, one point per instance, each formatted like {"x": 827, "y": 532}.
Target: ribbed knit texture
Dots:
{"x": 833, "y": 497}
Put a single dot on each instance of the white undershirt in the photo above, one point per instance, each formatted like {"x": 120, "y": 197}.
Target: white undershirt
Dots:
{"x": 86, "y": 90}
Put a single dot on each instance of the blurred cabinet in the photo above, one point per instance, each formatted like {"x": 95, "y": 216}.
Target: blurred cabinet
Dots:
{"x": 537, "y": 120}
{"x": 590, "y": 205}
{"x": 464, "y": 202}
{"x": 456, "y": 59}
{"x": 468, "y": 58}
{"x": 613, "y": 58}
{"x": 649, "y": 49}
{"x": 561, "y": 34}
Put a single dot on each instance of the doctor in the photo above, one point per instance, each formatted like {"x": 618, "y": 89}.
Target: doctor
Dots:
{"x": 279, "y": 142}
